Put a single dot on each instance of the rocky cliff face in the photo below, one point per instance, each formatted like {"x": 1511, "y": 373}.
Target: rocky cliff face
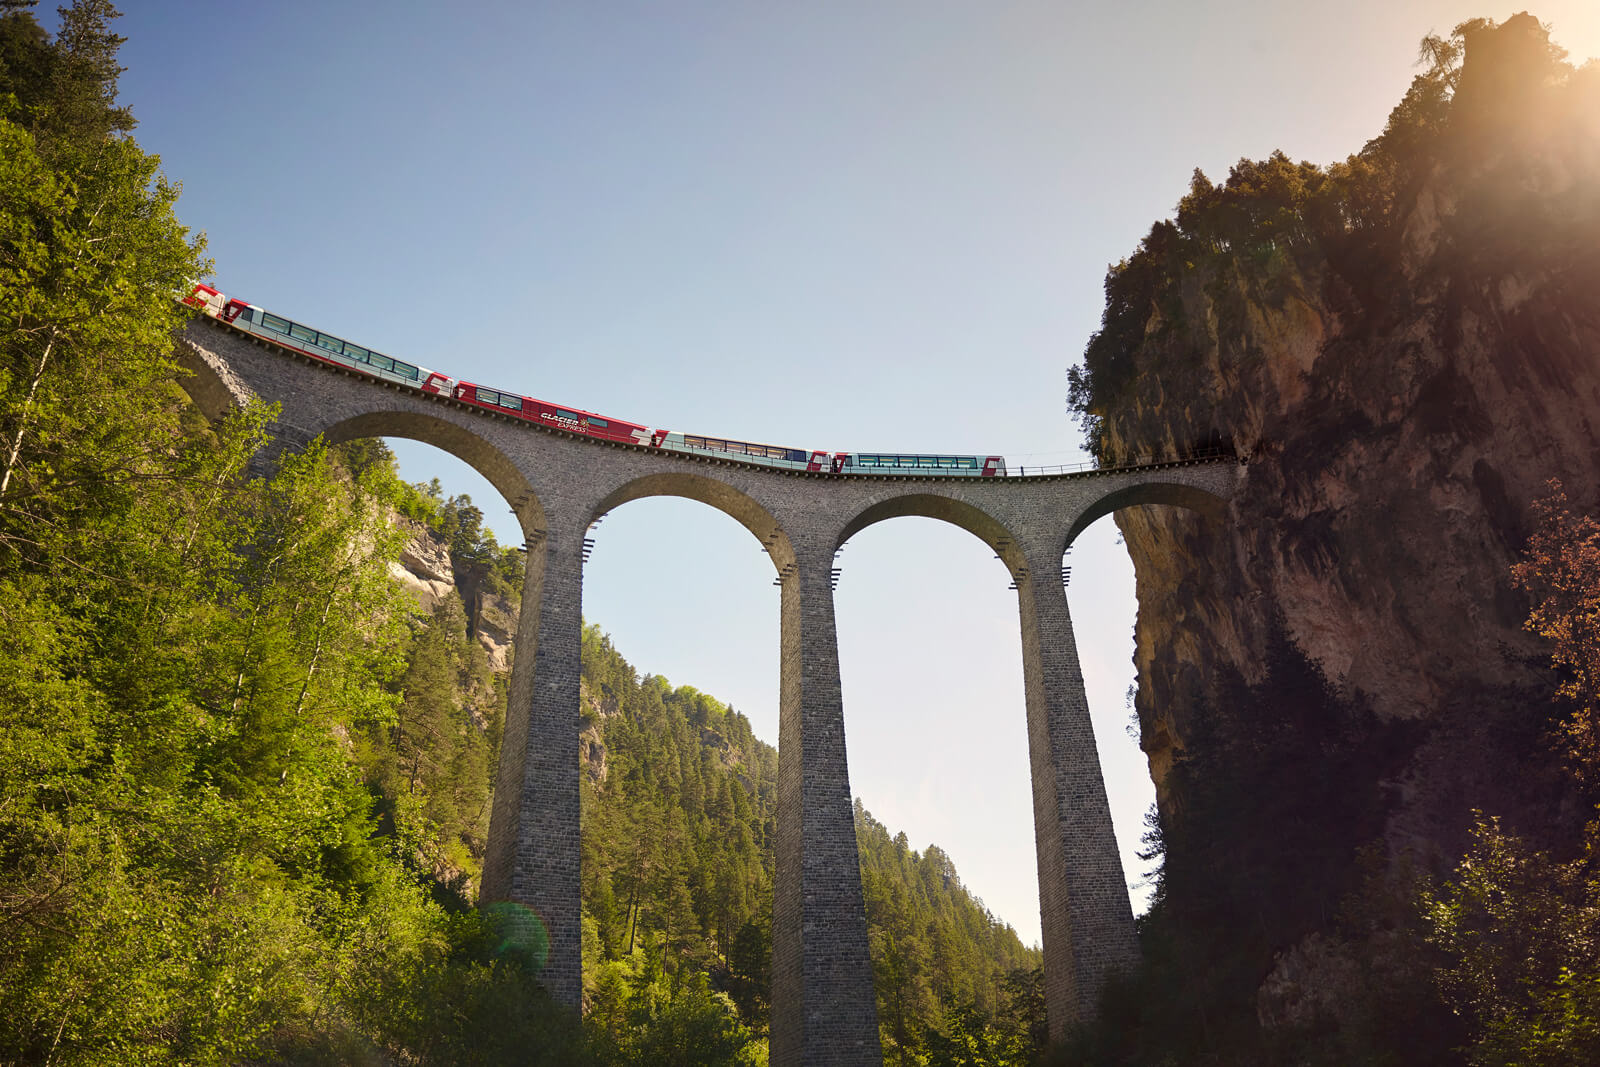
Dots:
{"x": 426, "y": 572}
{"x": 1403, "y": 390}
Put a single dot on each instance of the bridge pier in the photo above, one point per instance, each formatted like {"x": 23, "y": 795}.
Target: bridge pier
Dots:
{"x": 530, "y": 871}
{"x": 824, "y": 1010}
{"x": 1083, "y": 898}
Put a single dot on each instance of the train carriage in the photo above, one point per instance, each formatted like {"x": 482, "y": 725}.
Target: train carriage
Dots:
{"x": 902, "y": 463}
{"x": 552, "y": 415}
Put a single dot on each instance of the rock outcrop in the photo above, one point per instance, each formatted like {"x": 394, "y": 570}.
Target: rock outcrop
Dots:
{"x": 1398, "y": 426}
{"x": 1403, "y": 392}
{"x": 426, "y": 572}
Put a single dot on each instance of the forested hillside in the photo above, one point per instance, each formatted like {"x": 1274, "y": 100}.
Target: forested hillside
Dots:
{"x": 677, "y": 878}
{"x": 245, "y": 770}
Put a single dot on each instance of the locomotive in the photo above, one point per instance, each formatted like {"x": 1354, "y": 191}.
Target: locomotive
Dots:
{"x": 336, "y": 350}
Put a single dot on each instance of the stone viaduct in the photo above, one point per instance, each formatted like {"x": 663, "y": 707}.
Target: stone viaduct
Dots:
{"x": 559, "y": 484}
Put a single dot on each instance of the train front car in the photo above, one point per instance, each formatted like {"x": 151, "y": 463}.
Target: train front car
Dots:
{"x": 215, "y": 303}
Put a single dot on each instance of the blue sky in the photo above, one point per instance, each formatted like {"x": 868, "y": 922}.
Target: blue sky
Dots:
{"x": 852, "y": 226}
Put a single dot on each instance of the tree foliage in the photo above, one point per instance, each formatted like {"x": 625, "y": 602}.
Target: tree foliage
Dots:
{"x": 1274, "y": 226}
{"x": 679, "y": 802}
{"x": 1561, "y": 570}
{"x": 1519, "y": 927}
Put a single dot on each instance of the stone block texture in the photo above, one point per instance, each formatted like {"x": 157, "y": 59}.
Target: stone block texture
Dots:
{"x": 558, "y": 484}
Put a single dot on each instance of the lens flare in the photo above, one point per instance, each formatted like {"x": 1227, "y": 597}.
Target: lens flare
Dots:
{"x": 524, "y": 937}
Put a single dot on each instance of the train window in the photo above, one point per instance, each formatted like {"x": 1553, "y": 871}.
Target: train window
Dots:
{"x": 332, "y": 344}
{"x": 302, "y": 333}
{"x": 970, "y": 462}
{"x": 513, "y": 403}
{"x": 356, "y": 351}
{"x": 598, "y": 422}
{"x": 272, "y": 322}
{"x": 488, "y": 396}
{"x": 381, "y": 362}
{"x": 573, "y": 416}
{"x": 406, "y": 370}
{"x": 946, "y": 461}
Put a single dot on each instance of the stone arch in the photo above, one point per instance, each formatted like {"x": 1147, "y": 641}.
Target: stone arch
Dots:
{"x": 488, "y": 460}
{"x": 1173, "y": 493}
{"x": 741, "y": 507}
{"x": 211, "y": 384}
{"x": 960, "y": 513}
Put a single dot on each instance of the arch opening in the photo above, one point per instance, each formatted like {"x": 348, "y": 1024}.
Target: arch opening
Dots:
{"x": 743, "y": 509}
{"x": 494, "y": 466}
{"x": 1097, "y": 571}
{"x": 1170, "y": 493}
{"x": 935, "y": 711}
{"x": 678, "y": 589}
{"x": 946, "y": 509}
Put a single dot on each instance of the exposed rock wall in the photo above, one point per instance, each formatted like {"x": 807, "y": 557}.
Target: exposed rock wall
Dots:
{"x": 426, "y": 572}
{"x": 1403, "y": 407}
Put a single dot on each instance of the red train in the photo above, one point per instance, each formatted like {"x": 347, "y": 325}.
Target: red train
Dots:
{"x": 340, "y": 352}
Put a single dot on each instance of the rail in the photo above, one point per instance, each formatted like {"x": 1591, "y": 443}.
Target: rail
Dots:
{"x": 1144, "y": 461}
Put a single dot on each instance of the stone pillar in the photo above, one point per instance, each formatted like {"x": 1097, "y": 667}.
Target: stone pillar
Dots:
{"x": 282, "y": 439}
{"x": 823, "y": 1006}
{"x": 530, "y": 874}
{"x": 1083, "y": 897}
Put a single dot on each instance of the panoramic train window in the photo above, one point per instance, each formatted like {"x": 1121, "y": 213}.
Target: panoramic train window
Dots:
{"x": 302, "y": 333}
{"x": 272, "y": 322}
